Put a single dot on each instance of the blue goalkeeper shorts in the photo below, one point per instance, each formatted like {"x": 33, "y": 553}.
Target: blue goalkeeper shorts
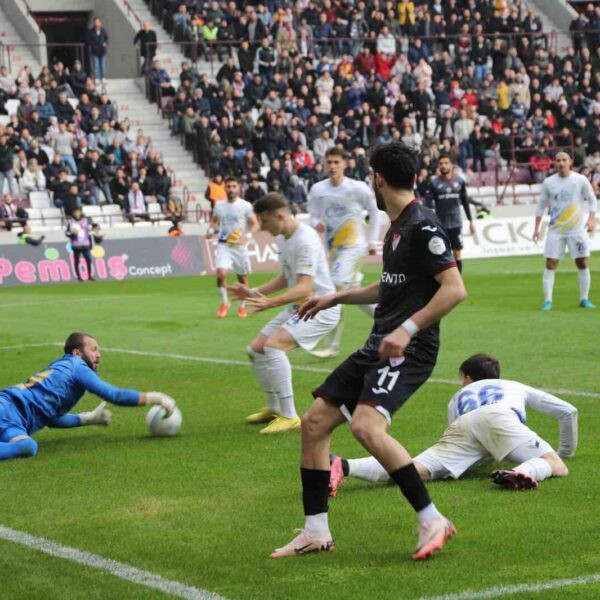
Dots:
{"x": 11, "y": 420}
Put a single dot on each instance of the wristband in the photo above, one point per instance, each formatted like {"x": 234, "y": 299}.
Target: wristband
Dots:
{"x": 410, "y": 326}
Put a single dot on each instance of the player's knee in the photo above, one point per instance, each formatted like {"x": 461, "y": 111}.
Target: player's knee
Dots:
{"x": 363, "y": 432}
{"x": 27, "y": 447}
{"x": 311, "y": 426}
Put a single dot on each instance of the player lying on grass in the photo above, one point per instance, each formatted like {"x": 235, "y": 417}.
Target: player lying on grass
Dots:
{"x": 46, "y": 398}
{"x": 487, "y": 422}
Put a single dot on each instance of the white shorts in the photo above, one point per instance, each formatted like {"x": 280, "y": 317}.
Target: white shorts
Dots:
{"x": 233, "y": 258}
{"x": 556, "y": 244}
{"x": 307, "y": 334}
{"x": 346, "y": 263}
{"x": 489, "y": 432}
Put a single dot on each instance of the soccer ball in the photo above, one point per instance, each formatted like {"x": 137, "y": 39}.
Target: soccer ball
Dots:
{"x": 74, "y": 228}
{"x": 160, "y": 426}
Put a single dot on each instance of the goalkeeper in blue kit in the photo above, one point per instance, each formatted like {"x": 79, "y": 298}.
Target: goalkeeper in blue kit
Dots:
{"x": 46, "y": 398}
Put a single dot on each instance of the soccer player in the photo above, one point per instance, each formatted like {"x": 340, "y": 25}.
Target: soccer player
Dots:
{"x": 305, "y": 273}
{"x": 565, "y": 194}
{"x": 336, "y": 206}
{"x": 46, "y": 398}
{"x": 419, "y": 285}
{"x": 486, "y": 422}
{"x": 446, "y": 194}
{"x": 234, "y": 222}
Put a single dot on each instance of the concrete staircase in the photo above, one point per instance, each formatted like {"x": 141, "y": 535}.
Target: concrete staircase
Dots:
{"x": 132, "y": 104}
{"x": 15, "y": 48}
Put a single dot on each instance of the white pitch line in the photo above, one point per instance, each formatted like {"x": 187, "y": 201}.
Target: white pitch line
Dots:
{"x": 521, "y": 588}
{"x": 114, "y": 567}
{"x": 243, "y": 363}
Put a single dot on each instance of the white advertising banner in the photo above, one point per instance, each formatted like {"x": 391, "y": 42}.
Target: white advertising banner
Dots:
{"x": 509, "y": 237}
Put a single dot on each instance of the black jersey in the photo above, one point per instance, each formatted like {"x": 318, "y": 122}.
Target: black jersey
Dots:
{"x": 415, "y": 250}
{"x": 445, "y": 196}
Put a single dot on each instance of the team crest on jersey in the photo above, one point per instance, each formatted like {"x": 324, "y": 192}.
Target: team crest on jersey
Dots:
{"x": 396, "y": 240}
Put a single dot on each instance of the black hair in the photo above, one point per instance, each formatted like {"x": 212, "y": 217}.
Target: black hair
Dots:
{"x": 230, "y": 178}
{"x": 397, "y": 163}
{"x": 444, "y": 155}
{"x": 271, "y": 202}
{"x": 75, "y": 341}
{"x": 481, "y": 366}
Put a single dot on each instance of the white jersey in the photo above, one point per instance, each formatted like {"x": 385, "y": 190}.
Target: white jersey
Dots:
{"x": 340, "y": 208}
{"x": 566, "y": 196}
{"x": 517, "y": 397}
{"x": 233, "y": 220}
{"x": 303, "y": 254}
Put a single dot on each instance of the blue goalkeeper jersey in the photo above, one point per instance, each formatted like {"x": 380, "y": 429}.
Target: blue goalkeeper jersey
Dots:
{"x": 54, "y": 391}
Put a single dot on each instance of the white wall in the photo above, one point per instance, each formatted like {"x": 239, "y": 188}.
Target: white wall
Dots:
{"x": 27, "y": 28}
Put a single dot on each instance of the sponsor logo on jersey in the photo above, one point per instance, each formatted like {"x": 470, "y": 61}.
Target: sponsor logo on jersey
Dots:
{"x": 436, "y": 246}
{"x": 429, "y": 228}
{"x": 393, "y": 278}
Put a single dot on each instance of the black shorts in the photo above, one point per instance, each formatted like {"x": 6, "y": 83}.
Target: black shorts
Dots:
{"x": 366, "y": 379}
{"x": 455, "y": 237}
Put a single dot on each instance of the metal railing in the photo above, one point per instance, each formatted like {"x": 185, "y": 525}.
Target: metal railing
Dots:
{"x": 131, "y": 11}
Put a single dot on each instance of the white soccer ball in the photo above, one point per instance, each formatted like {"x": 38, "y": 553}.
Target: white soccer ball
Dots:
{"x": 161, "y": 426}
{"x": 74, "y": 228}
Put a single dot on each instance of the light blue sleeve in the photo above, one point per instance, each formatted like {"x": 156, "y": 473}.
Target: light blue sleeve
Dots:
{"x": 92, "y": 383}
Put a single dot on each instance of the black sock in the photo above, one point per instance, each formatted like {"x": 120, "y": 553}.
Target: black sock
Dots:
{"x": 459, "y": 265}
{"x": 345, "y": 467}
{"x": 315, "y": 491}
{"x": 412, "y": 486}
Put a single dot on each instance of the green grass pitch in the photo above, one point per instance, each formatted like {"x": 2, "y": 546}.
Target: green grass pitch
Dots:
{"x": 207, "y": 507}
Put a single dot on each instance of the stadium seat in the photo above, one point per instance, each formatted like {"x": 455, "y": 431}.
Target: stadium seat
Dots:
{"x": 39, "y": 200}
{"x": 154, "y": 211}
{"x": 53, "y": 217}
{"x": 143, "y": 224}
{"x": 522, "y": 190}
{"x": 73, "y": 102}
{"x": 12, "y": 106}
{"x": 4, "y": 119}
{"x": 35, "y": 217}
{"x": 95, "y": 214}
{"x": 536, "y": 188}
{"x": 488, "y": 191}
{"x": 472, "y": 192}
{"x": 113, "y": 215}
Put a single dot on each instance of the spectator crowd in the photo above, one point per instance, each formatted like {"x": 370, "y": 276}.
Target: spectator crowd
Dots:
{"x": 478, "y": 79}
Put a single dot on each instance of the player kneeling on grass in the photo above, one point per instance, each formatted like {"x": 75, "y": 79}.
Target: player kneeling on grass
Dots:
{"x": 305, "y": 272}
{"x": 487, "y": 422}
{"x": 46, "y": 398}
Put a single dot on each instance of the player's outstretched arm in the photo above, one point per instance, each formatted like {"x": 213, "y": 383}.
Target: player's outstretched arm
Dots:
{"x": 242, "y": 292}
{"x": 303, "y": 288}
{"x": 99, "y": 416}
{"x": 154, "y": 398}
{"x": 363, "y": 295}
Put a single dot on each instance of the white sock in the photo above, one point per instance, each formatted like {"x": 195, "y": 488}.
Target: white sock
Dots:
{"x": 223, "y": 294}
{"x": 368, "y": 309}
{"x": 242, "y": 303}
{"x": 317, "y": 525}
{"x": 585, "y": 279}
{"x": 367, "y": 468}
{"x": 261, "y": 369}
{"x": 428, "y": 513}
{"x": 537, "y": 468}
{"x": 548, "y": 284}
{"x": 280, "y": 373}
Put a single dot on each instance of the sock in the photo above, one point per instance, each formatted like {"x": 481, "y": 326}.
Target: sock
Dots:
{"x": 317, "y": 525}
{"x": 368, "y": 469}
{"x": 242, "y": 303}
{"x": 261, "y": 370}
{"x": 459, "y": 265}
{"x": 585, "y": 279}
{"x": 537, "y": 468}
{"x": 548, "y": 284}
{"x": 223, "y": 294}
{"x": 25, "y": 447}
{"x": 428, "y": 513}
{"x": 280, "y": 374}
{"x": 368, "y": 309}
{"x": 411, "y": 485}
{"x": 315, "y": 499}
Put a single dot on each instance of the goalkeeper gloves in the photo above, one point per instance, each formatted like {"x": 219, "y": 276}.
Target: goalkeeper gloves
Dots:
{"x": 99, "y": 416}
{"x": 161, "y": 399}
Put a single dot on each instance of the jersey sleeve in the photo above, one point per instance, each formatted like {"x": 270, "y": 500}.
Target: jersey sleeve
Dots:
{"x": 314, "y": 207}
{"x": 306, "y": 259}
{"x": 367, "y": 199}
{"x": 432, "y": 246}
{"x": 589, "y": 195}
{"x": 563, "y": 411}
{"x": 92, "y": 383}
{"x": 452, "y": 410}
{"x": 464, "y": 199}
{"x": 544, "y": 201}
